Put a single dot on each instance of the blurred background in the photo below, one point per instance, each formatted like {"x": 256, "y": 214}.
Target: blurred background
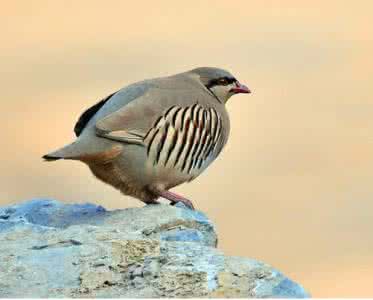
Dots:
{"x": 293, "y": 187}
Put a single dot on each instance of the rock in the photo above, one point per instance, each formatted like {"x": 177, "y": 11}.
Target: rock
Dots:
{"x": 51, "y": 249}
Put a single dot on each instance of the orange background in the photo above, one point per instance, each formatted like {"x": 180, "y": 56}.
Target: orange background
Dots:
{"x": 294, "y": 185}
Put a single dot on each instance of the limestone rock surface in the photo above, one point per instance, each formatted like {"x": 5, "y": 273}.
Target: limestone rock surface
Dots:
{"x": 52, "y": 249}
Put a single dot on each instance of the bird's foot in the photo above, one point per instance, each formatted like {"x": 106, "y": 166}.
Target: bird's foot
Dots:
{"x": 175, "y": 198}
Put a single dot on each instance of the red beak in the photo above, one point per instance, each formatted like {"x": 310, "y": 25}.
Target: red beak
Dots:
{"x": 240, "y": 88}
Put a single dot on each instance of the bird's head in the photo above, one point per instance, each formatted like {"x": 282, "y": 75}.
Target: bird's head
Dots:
{"x": 220, "y": 83}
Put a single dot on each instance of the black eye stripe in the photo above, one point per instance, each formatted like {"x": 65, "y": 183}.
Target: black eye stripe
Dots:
{"x": 215, "y": 82}
{"x": 230, "y": 80}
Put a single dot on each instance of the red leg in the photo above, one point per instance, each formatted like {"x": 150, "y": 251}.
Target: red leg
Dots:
{"x": 174, "y": 198}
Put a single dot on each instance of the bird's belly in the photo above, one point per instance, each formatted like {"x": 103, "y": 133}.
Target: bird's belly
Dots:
{"x": 166, "y": 176}
{"x": 135, "y": 165}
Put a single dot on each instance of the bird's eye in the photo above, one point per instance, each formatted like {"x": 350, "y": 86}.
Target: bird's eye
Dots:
{"x": 223, "y": 81}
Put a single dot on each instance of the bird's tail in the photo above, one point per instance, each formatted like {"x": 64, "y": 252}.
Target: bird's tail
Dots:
{"x": 49, "y": 157}
{"x": 103, "y": 151}
{"x": 67, "y": 152}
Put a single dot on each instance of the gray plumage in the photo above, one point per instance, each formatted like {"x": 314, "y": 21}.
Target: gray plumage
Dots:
{"x": 156, "y": 134}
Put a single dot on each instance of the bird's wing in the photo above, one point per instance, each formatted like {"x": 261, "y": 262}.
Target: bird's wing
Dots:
{"x": 131, "y": 122}
{"x": 181, "y": 135}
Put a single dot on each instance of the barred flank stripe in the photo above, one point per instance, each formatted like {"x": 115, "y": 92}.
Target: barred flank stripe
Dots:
{"x": 151, "y": 129}
{"x": 208, "y": 148}
{"x": 183, "y": 118}
{"x": 194, "y": 107}
{"x": 216, "y": 118}
{"x": 201, "y": 157}
{"x": 167, "y": 112}
{"x": 161, "y": 144}
{"x": 195, "y": 148}
{"x": 185, "y": 137}
{"x": 181, "y": 148}
{"x": 191, "y": 143}
{"x": 201, "y": 118}
{"x": 201, "y": 145}
{"x": 174, "y": 141}
{"x": 218, "y": 125}
{"x": 204, "y": 131}
{"x": 175, "y": 116}
{"x": 152, "y": 140}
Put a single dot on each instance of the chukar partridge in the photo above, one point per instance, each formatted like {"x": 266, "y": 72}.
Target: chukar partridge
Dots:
{"x": 156, "y": 134}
